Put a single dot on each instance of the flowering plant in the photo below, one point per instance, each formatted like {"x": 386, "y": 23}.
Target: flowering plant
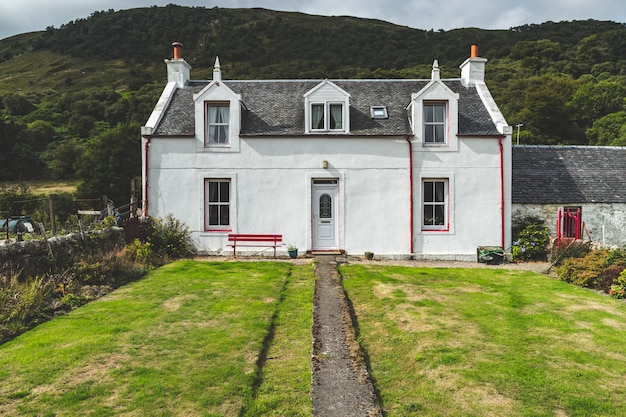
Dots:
{"x": 531, "y": 244}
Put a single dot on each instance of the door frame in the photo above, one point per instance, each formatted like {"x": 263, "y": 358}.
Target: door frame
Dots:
{"x": 336, "y": 190}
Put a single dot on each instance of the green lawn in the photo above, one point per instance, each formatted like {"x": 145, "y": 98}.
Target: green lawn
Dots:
{"x": 191, "y": 339}
{"x": 234, "y": 339}
{"x": 488, "y": 342}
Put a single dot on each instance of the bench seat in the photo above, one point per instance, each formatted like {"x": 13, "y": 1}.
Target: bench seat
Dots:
{"x": 254, "y": 240}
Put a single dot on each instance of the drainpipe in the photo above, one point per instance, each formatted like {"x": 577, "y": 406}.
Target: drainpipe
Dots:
{"x": 501, "y": 187}
{"x": 145, "y": 176}
{"x": 408, "y": 140}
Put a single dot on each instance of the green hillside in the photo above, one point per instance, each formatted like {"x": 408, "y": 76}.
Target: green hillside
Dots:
{"x": 66, "y": 92}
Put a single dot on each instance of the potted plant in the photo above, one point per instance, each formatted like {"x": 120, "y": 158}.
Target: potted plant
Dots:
{"x": 293, "y": 251}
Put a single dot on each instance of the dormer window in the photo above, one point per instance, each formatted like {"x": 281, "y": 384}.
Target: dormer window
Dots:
{"x": 327, "y": 116}
{"x": 435, "y": 122}
{"x": 326, "y": 109}
{"x": 218, "y": 119}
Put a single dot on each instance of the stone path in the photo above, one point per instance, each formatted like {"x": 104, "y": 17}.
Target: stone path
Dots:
{"x": 341, "y": 384}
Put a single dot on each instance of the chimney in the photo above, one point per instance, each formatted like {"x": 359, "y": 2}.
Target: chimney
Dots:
{"x": 177, "y": 68}
{"x": 473, "y": 69}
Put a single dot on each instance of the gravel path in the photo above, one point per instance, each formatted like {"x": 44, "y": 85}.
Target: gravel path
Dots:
{"x": 341, "y": 384}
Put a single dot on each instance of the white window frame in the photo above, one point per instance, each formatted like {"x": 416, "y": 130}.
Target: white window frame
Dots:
{"x": 219, "y": 203}
{"x": 207, "y": 111}
{"x": 445, "y": 204}
{"x": 432, "y": 125}
{"x": 327, "y": 106}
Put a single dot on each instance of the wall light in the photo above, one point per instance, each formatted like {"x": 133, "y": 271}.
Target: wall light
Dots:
{"x": 325, "y": 164}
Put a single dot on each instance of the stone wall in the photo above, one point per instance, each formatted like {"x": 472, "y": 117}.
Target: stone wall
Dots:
{"x": 38, "y": 257}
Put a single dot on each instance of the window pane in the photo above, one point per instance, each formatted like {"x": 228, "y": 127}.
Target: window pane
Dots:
{"x": 428, "y": 113}
{"x": 428, "y": 191}
{"x": 429, "y": 214}
{"x": 225, "y": 192}
{"x": 336, "y": 116}
{"x": 326, "y": 211}
{"x": 438, "y": 113}
{"x": 317, "y": 116}
{"x": 213, "y": 191}
{"x": 438, "y": 135}
{"x": 213, "y": 215}
{"x": 224, "y": 215}
{"x": 439, "y": 216}
{"x": 439, "y": 190}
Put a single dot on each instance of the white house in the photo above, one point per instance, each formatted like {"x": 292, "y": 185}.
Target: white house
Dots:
{"x": 401, "y": 168}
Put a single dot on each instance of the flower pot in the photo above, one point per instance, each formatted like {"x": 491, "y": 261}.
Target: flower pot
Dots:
{"x": 293, "y": 253}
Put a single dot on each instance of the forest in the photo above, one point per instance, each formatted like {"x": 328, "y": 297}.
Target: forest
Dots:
{"x": 73, "y": 98}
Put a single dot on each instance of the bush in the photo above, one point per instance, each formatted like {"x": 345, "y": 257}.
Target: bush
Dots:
{"x": 168, "y": 238}
{"x": 531, "y": 243}
{"x": 618, "y": 290}
{"x": 573, "y": 249}
{"x": 596, "y": 270}
{"x": 23, "y": 305}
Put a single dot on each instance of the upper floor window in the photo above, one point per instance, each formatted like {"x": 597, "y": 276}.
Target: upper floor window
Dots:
{"x": 218, "y": 119}
{"x": 327, "y": 116}
{"x": 434, "y": 123}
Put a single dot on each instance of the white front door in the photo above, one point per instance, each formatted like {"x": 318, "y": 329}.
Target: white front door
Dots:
{"x": 324, "y": 214}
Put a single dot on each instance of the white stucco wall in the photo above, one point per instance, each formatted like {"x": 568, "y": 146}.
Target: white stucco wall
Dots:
{"x": 271, "y": 189}
{"x": 604, "y": 222}
{"x": 271, "y": 192}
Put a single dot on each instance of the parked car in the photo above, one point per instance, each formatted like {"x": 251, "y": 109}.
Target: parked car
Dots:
{"x": 17, "y": 224}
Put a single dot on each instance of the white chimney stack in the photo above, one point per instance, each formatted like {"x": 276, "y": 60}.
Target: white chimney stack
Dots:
{"x": 473, "y": 69}
{"x": 177, "y": 68}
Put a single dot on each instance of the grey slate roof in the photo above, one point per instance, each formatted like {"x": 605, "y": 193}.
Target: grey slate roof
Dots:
{"x": 568, "y": 174}
{"x": 276, "y": 108}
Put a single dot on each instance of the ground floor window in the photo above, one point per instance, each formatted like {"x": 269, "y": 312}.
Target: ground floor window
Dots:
{"x": 217, "y": 196}
{"x": 434, "y": 204}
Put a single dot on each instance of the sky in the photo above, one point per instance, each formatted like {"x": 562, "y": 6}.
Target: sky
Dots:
{"x": 21, "y": 16}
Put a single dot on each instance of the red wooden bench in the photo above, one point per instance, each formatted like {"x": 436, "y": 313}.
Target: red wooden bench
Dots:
{"x": 257, "y": 240}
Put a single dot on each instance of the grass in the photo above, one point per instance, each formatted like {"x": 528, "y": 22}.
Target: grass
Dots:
{"x": 234, "y": 339}
{"x": 477, "y": 342}
{"x": 43, "y": 187}
{"x": 191, "y": 339}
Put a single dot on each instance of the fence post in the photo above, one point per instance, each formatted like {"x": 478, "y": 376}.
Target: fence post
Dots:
{"x": 54, "y": 225}
{"x": 43, "y": 233}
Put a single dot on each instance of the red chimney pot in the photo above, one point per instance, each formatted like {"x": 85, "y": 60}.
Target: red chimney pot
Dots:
{"x": 474, "y": 51}
{"x": 178, "y": 50}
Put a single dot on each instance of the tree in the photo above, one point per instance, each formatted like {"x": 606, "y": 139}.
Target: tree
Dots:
{"x": 608, "y": 130}
{"x": 597, "y": 99}
{"x": 110, "y": 161}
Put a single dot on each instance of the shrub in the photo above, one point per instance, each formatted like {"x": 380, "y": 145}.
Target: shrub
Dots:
{"x": 573, "y": 249}
{"x": 595, "y": 270}
{"x": 169, "y": 238}
{"x": 531, "y": 243}
{"x": 618, "y": 290}
{"x": 23, "y": 305}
